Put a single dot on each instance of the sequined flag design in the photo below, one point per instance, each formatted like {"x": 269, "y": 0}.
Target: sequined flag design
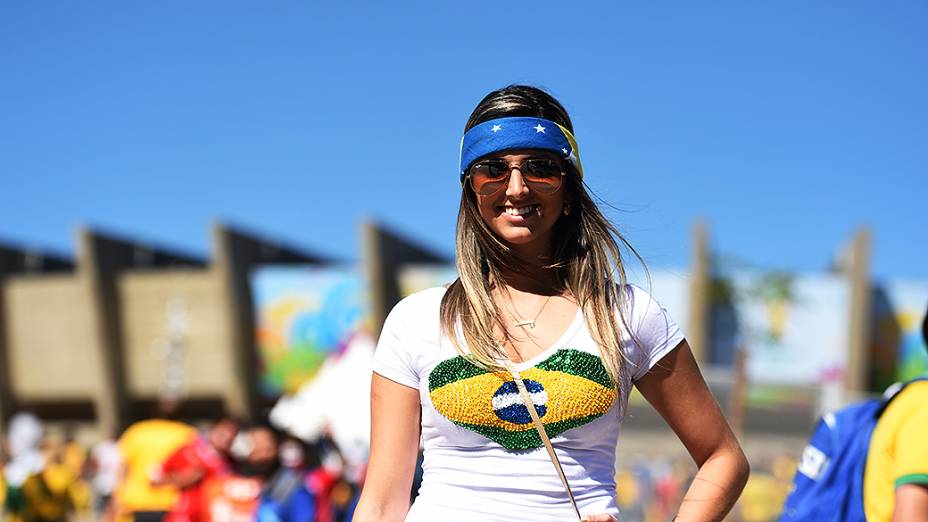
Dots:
{"x": 568, "y": 389}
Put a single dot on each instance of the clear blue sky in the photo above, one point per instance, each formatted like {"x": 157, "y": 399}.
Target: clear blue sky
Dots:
{"x": 784, "y": 125}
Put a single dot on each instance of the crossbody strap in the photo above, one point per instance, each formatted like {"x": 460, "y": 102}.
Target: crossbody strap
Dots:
{"x": 530, "y": 406}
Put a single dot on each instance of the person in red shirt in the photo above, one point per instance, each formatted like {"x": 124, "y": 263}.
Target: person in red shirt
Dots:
{"x": 193, "y": 464}
{"x": 236, "y": 496}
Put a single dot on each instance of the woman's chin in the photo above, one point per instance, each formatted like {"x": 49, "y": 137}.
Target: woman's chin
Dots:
{"x": 516, "y": 237}
{"x": 523, "y": 240}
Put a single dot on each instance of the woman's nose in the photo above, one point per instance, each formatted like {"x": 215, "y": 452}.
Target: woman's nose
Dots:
{"x": 517, "y": 185}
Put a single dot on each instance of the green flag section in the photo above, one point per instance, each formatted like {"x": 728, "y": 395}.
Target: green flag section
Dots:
{"x": 568, "y": 389}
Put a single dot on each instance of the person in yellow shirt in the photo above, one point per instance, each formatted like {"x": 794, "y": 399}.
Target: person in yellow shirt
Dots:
{"x": 74, "y": 459}
{"x": 142, "y": 493}
{"x": 896, "y": 475}
{"x": 3, "y": 485}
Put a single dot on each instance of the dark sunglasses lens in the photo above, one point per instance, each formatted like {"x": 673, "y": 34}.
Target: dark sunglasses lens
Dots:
{"x": 541, "y": 168}
{"x": 543, "y": 175}
{"x": 494, "y": 169}
{"x": 488, "y": 177}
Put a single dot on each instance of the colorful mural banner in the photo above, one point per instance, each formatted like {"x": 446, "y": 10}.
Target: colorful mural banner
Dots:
{"x": 793, "y": 326}
{"x": 305, "y": 315}
{"x": 414, "y": 277}
{"x": 898, "y": 349}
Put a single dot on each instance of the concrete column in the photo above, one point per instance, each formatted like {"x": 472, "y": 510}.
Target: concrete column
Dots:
{"x": 98, "y": 262}
{"x": 7, "y": 405}
{"x": 383, "y": 255}
{"x": 236, "y": 253}
{"x": 858, "y": 274}
{"x": 700, "y": 294}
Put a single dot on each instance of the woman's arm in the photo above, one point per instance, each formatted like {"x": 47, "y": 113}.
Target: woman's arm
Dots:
{"x": 394, "y": 445}
{"x": 678, "y": 392}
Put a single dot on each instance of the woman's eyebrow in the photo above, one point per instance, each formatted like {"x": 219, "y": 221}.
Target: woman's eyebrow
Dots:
{"x": 538, "y": 155}
{"x": 542, "y": 157}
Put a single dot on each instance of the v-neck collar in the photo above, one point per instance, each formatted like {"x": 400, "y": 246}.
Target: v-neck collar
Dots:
{"x": 565, "y": 337}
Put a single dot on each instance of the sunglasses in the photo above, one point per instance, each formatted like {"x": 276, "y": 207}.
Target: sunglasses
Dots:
{"x": 542, "y": 175}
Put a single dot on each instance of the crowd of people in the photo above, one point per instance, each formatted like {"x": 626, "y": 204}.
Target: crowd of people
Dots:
{"x": 229, "y": 471}
{"x": 161, "y": 469}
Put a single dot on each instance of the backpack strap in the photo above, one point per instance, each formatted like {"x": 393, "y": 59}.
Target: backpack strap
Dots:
{"x": 893, "y": 391}
{"x": 530, "y": 406}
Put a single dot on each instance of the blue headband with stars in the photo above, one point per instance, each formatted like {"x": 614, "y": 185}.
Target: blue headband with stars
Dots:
{"x": 518, "y": 133}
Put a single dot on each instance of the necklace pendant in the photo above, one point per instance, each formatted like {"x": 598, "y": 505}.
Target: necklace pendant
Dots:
{"x": 530, "y": 323}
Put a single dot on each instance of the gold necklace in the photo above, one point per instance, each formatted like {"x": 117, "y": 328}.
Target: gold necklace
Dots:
{"x": 527, "y": 322}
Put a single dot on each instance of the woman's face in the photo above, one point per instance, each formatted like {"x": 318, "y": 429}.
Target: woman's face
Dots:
{"x": 518, "y": 214}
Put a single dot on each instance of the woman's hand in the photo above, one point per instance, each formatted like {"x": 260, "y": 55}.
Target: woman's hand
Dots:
{"x": 602, "y": 517}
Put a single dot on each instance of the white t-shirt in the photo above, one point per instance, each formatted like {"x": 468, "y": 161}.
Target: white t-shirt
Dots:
{"x": 484, "y": 459}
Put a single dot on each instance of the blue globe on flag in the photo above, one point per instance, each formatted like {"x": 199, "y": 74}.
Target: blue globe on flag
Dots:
{"x": 508, "y": 405}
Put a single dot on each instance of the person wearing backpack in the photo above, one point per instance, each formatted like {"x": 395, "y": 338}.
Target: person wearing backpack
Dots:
{"x": 896, "y": 475}
{"x": 867, "y": 461}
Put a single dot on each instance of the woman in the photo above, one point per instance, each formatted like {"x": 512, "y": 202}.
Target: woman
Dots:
{"x": 541, "y": 296}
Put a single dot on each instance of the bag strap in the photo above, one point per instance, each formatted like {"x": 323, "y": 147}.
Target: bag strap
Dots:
{"x": 893, "y": 391}
{"x": 530, "y": 406}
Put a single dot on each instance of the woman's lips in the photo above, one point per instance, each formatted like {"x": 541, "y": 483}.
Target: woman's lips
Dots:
{"x": 518, "y": 214}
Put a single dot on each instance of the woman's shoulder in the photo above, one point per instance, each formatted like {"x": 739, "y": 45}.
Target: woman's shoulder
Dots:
{"x": 631, "y": 294}
{"x": 633, "y": 290}
{"x": 416, "y": 316}
{"x": 639, "y": 305}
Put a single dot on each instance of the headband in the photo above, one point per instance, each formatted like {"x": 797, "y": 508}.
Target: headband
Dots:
{"x": 518, "y": 133}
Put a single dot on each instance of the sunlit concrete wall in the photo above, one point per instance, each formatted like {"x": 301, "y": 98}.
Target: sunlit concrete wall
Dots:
{"x": 51, "y": 338}
{"x": 177, "y": 336}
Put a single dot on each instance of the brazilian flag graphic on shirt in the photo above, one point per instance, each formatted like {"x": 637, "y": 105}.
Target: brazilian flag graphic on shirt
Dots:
{"x": 568, "y": 389}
